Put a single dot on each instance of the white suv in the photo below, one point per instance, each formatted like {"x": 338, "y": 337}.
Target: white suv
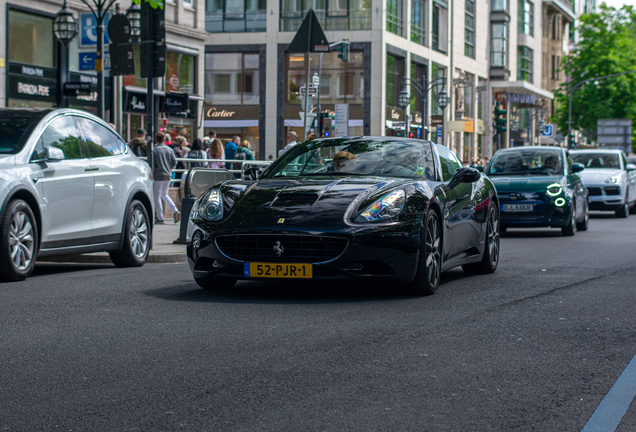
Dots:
{"x": 69, "y": 185}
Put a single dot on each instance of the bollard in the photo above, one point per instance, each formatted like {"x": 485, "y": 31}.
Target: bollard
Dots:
{"x": 186, "y": 207}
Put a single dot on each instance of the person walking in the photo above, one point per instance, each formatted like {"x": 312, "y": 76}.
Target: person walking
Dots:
{"x": 197, "y": 152}
{"x": 230, "y": 149}
{"x": 291, "y": 142}
{"x": 244, "y": 151}
{"x": 164, "y": 162}
{"x": 215, "y": 152}
{"x": 138, "y": 145}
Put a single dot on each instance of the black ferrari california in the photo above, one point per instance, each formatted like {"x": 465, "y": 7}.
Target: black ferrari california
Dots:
{"x": 353, "y": 208}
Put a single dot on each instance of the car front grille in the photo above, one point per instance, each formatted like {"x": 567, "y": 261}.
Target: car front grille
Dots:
{"x": 612, "y": 190}
{"x": 594, "y": 191}
{"x": 607, "y": 190}
{"x": 295, "y": 248}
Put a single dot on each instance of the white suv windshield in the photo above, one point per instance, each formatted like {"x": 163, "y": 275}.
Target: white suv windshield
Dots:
{"x": 14, "y": 132}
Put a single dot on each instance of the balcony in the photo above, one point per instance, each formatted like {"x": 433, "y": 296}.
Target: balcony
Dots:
{"x": 247, "y": 22}
{"x": 345, "y": 20}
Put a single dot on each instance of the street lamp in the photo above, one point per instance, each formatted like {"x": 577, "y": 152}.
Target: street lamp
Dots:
{"x": 133, "y": 13}
{"x": 423, "y": 88}
{"x": 65, "y": 27}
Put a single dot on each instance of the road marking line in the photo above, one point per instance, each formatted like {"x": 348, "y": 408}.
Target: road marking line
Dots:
{"x": 615, "y": 404}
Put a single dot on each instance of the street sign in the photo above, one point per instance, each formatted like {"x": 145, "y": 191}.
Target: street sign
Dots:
{"x": 342, "y": 120}
{"x": 310, "y": 103}
{"x": 439, "y": 135}
{"x": 313, "y": 91}
{"x": 76, "y": 89}
{"x": 310, "y": 37}
{"x": 316, "y": 80}
{"x": 87, "y": 61}
{"x": 88, "y": 30}
{"x": 548, "y": 131}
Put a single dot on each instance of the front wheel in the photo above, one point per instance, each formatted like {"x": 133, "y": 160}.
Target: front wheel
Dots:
{"x": 137, "y": 235}
{"x": 623, "y": 212}
{"x": 18, "y": 241}
{"x": 570, "y": 229}
{"x": 429, "y": 266}
{"x": 583, "y": 223}
{"x": 490, "y": 258}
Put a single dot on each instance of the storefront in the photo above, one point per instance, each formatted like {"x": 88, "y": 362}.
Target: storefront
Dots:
{"x": 230, "y": 120}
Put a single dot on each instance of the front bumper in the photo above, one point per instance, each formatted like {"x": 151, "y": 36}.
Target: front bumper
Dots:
{"x": 545, "y": 214}
{"x": 378, "y": 255}
{"x": 605, "y": 197}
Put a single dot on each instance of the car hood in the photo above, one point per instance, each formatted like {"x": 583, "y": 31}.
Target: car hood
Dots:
{"x": 597, "y": 176}
{"x": 6, "y": 160}
{"x": 524, "y": 183}
{"x": 317, "y": 203}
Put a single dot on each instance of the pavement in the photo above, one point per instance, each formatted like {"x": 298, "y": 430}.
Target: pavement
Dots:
{"x": 163, "y": 248}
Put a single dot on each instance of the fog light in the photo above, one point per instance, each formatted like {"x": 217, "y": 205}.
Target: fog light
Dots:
{"x": 196, "y": 240}
{"x": 560, "y": 202}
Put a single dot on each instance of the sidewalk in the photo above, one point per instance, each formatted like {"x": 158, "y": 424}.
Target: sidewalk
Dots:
{"x": 163, "y": 250}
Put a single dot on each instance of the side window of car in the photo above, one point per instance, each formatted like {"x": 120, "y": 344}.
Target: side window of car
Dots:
{"x": 449, "y": 162}
{"x": 99, "y": 140}
{"x": 60, "y": 133}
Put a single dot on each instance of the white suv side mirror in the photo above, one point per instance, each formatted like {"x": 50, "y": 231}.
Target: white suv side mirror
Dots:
{"x": 52, "y": 154}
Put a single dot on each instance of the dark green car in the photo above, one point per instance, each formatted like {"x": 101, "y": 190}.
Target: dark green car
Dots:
{"x": 539, "y": 187}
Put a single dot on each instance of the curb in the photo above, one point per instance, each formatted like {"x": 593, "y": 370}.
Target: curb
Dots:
{"x": 102, "y": 258}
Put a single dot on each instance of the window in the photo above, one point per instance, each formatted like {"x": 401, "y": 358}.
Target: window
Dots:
{"x": 469, "y": 91}
{"x": 394, "y": 74}
{"x": 480, "y": 98}
{"x": 555, "y": 67}
{"x": 232, "y": 78}
{"x": 99, "y": 140}
{"x": 437, "y": 71}
{"x": 61, "y": 133}
{"x": 417, "y": 72}
{"x": 525, "y": 19}
{"x": 394, "y": 21}
{"x": 499, "y": 5}
{"x": 440, "y": 27}
{"x": 180, "y": 73}
{"x": 525, "y": 64}
{"x": 448, "y": 161}
{"x": 418, "y": 22}
{"x": 332, "y": 14}
{"x": 498, "y": 45}
{"x": 30, "y": 39}
{"x": 469, "y": 29}
{"x": 235, "y": 16}
{"x": 556, "y": 27}
{"x": 187, "y": 3}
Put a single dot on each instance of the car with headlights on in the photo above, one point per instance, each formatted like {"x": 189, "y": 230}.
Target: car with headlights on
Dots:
{"x": 69, "y": 185}
{"x": 539, "y": 187}
{"x": 610, "y": 180}
{"x": 354, "y": 208}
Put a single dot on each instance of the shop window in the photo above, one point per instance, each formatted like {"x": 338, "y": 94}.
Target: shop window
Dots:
{"x": 180, "y": 73}
{"x": 232, "y": 78}
{"x": 30, "y": 39}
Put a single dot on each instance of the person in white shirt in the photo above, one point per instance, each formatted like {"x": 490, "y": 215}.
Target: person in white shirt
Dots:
{"x": 291, "y": 141}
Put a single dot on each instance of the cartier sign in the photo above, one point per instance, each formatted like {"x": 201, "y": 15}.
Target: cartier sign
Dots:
{"x": 231, "y": 112}
{"x": 219, "y": 113}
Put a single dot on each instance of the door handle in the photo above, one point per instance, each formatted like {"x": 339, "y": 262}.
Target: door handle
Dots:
{"x": 90, "y": 169}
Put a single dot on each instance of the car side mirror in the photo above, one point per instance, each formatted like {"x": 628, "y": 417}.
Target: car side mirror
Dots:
{"x": 577, "y": 167}
{"x": 630, "y": 167}
{"x": 480, "y": 168}
{"x": 464, "y": 175}
{"x": 252, "y": 173}
{"x": 52, "y": 154}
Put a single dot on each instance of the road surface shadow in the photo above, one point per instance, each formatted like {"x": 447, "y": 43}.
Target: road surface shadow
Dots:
{"x": 527, "y": 233}
{"x": 44, "y": 269}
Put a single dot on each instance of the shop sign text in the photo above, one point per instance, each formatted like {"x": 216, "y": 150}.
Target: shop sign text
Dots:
{"x": 33, "y": 89}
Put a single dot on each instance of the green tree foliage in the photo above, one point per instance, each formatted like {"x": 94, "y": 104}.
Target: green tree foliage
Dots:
{"x": 607, "y": 45}
{"x": 153, "y": 3}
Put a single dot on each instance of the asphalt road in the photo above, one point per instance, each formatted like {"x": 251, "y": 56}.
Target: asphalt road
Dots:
{"x": 534, "y": 347}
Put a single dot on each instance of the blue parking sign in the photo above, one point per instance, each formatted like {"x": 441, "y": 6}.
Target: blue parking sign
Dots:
{"x": 548, "y": 131}
{"x": 88, "y": 30}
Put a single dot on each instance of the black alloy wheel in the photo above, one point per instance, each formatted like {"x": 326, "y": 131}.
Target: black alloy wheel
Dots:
{"x": 490, "y": 258}
{"x": 429, "y": 268}
{"x": 18, "y": 241}
{"x": 584, "y": 222}
{"x": 570, "y": 229}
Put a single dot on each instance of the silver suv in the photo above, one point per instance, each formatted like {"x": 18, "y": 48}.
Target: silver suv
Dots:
{"x": 69, "y": 185}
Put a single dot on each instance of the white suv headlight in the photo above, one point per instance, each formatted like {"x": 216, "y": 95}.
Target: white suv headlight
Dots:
{"x": 613, "y": 179}
{"x": 386, "y": 207}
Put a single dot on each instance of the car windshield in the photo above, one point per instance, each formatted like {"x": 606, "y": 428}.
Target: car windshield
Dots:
{"x": 356, "y": 157}
{"x": 597, "y": 160}
{"x": 14, "y": 132}
{"x": 527, "y": 162}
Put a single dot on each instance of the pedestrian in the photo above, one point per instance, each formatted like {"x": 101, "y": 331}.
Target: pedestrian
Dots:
{"x": 215, "y": 152}
{"x": 197, "y": 152}
{"x": 183, "y": 145}
{"x": 230, "y": 149}
{"x": 244, "y": 151}
{"x": 138, "y": 145}
{"x": 291, "y": 141}
{"x": 164, "y": 162}
{"x": 211, "y": 135}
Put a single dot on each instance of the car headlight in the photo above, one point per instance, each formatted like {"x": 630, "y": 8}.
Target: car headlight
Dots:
{"x": 209, "y": 207}
{"x": 554, "y": 189}
{"x": 386, "y": 207}
{"x": 613, "y": 179}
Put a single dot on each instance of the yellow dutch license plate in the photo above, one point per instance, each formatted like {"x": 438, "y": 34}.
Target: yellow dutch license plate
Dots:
{"x": 282, "y": 270}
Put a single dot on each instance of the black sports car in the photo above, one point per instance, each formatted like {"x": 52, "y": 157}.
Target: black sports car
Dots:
{"x": 366, "y": 208}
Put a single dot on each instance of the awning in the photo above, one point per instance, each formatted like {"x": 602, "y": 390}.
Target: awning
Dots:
{"x": 522, "y": 87}
{"x": 230, "y": 123}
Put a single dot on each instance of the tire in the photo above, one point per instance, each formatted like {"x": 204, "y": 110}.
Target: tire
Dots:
{"x": 429, "y": 266}
{"x": 632, "y": 209}
{"x": 623, "y": 212}
{"x": 582, "y": 225}
{"x": 216, "y": 284}
{"x": 490, "y": 258}
{"x": 570, "y": 229}
{"x": 137, "y": 236}
{"x": 18, "y": 241}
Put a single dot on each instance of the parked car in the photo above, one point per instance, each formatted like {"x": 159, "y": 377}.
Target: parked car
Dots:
{"x": 69, "y": 185}
{"x": 354, "y": 208}
{"x": 610, "y": 180}
{"x": 539, "y": 187}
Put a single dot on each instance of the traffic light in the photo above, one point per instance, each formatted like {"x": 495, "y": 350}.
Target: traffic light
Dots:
{"x": 153, "y": 37}
{"x": 344, "y": 50}
{"x": 500, "y": 118}
{"x": 326, "y": 126}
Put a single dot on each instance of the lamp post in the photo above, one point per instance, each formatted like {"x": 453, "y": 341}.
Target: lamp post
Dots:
{"x": 65, "y": 29}
{"x": 423, "y": 88}
{"x": 133, "y": 13}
